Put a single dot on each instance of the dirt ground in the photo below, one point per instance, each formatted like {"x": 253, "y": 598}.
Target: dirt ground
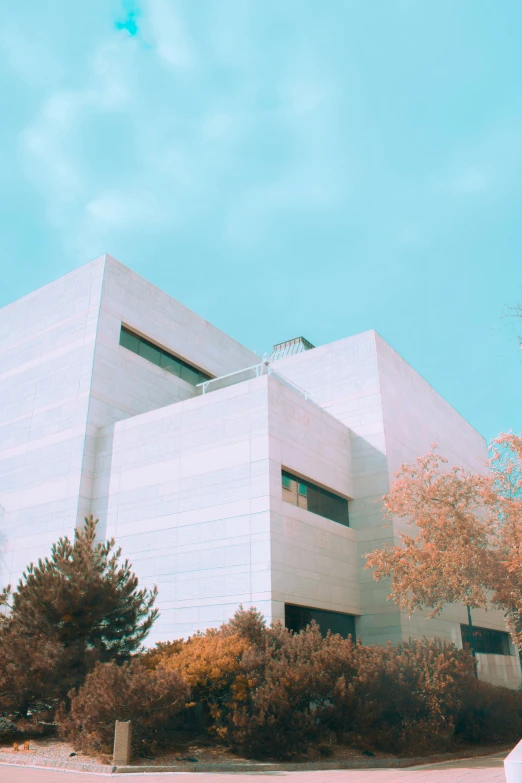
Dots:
{"x": 204, "y": 751}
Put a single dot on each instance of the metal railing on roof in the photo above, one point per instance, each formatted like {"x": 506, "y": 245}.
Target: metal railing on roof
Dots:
{"x": 248, "y": 374}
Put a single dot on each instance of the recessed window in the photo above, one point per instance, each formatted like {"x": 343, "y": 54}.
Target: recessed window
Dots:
{"x": 162, "y": 358}
{"x": 486, "y": 640}
{"x": 130, "y": 340}
{"x": 298, "y": 617}
{"x": 171, "y": 364}
{"x": 190, "y": 374}
{"x": 305, "y": 494}
{"x": 150, "y": 352}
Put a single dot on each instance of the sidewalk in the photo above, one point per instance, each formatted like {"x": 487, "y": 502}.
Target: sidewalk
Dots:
{"x": 484, "y": 770}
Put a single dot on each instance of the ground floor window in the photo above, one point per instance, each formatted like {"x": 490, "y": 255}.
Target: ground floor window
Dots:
{"x": 486, "y": 640}
{"x": 298, "y": 617}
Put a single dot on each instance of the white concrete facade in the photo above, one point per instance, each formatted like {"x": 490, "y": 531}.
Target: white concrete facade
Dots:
{"x": 189, "y": 483}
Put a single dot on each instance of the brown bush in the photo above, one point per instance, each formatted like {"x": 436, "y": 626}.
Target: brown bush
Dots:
{"x": 26, "y": 671}
{"x": 267, "y": 692}
{"x": 488, "y": 714}
{"x": 288, "y": 691}
{"x": 161, "y": 652}
{"x": 150, "y": 698}
{"x": 249, "y": 624}
{"x": 211, "y": 665}
{"x": 303, "y": 688}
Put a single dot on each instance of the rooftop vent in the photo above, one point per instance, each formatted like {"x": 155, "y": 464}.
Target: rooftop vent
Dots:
{"x": 290, "y": 347}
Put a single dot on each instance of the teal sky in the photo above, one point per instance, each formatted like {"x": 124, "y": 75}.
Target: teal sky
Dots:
{"x": 282, "y": 168}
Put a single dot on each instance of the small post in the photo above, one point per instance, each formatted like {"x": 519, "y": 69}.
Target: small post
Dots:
{"x": 122, "y": 743}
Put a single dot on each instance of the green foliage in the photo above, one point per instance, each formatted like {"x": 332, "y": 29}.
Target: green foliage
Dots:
{"x": 150, "y": 698}
{"x": 71, "y": 610}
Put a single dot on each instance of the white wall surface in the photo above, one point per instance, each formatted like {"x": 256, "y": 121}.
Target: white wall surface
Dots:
{"x": 47, "y": 344}
{"x": 343, "y": 378}
{"x": 125, "y": 384}
{"x": 314, "y": 560}
{"x": 63, "y": 375}
{"x": 189, "y": 504}
{"x": 195, "y": 502}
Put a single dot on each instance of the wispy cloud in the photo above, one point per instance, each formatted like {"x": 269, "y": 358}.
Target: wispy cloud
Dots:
{"x": 471, "y": 180}
{"x": 49, "y": 144}
{"x": 119, "y": 209}
{"x": 311, "y": 178}
{"x": 27, "y": 56}
{"x": 192, "y": 141}
{"x": 164, "y": 26}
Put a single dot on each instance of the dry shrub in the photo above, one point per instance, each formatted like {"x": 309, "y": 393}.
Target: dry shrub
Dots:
{"x": 289, "y": 689}
{"x": 7, "y": 729}
{"x": 27, "y": 673}
{"x": 267, "y": 692}
{"x": 150, "y": 699}
{"x": 304, "y": 688}
{"x": 162, "y": 651}
{"x": 489, "y": 714}
{"x": 211, "y": 665}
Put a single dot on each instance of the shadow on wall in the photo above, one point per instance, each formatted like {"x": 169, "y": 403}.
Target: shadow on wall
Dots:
{"x": 371, "y": 480}
{"x": 100, "y": 500}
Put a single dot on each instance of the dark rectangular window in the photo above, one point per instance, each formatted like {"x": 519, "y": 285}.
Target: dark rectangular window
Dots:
{"x": 316, "y": 499}
{"x": 130, "y": 340}
{"x": 171, "y": 364}
{"x": 486, "y": 640}
{"x": 162, "y": 358}
{"x": 298, "y": 617}
{"x": 150, "y": 352}
{"x": 189, "y": 374}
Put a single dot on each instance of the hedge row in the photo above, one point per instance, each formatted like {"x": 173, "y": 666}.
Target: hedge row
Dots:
{"x": 266, "y": 692}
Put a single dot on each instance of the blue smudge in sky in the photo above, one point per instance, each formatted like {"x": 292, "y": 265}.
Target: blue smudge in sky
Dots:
{"x": 129, "y": 23}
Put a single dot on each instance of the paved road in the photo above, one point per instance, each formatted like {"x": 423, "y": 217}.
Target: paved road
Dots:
{"x": 484, "y": 770}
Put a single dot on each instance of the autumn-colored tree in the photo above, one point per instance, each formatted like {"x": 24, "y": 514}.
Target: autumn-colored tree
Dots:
{"x": 506, "y": 470}
{"x": 77, "y": 607}
{"x": 469, "y": 535}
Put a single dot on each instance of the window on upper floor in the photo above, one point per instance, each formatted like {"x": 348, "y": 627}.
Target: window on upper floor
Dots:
{"x": 162, "y": 358}
{"x": 486, "y": 640}
{"x": 305, "y": 494}
{"x": 298, "y": 617}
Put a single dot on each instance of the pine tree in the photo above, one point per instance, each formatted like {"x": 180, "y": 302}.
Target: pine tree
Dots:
{"x": 72, "y": 609}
